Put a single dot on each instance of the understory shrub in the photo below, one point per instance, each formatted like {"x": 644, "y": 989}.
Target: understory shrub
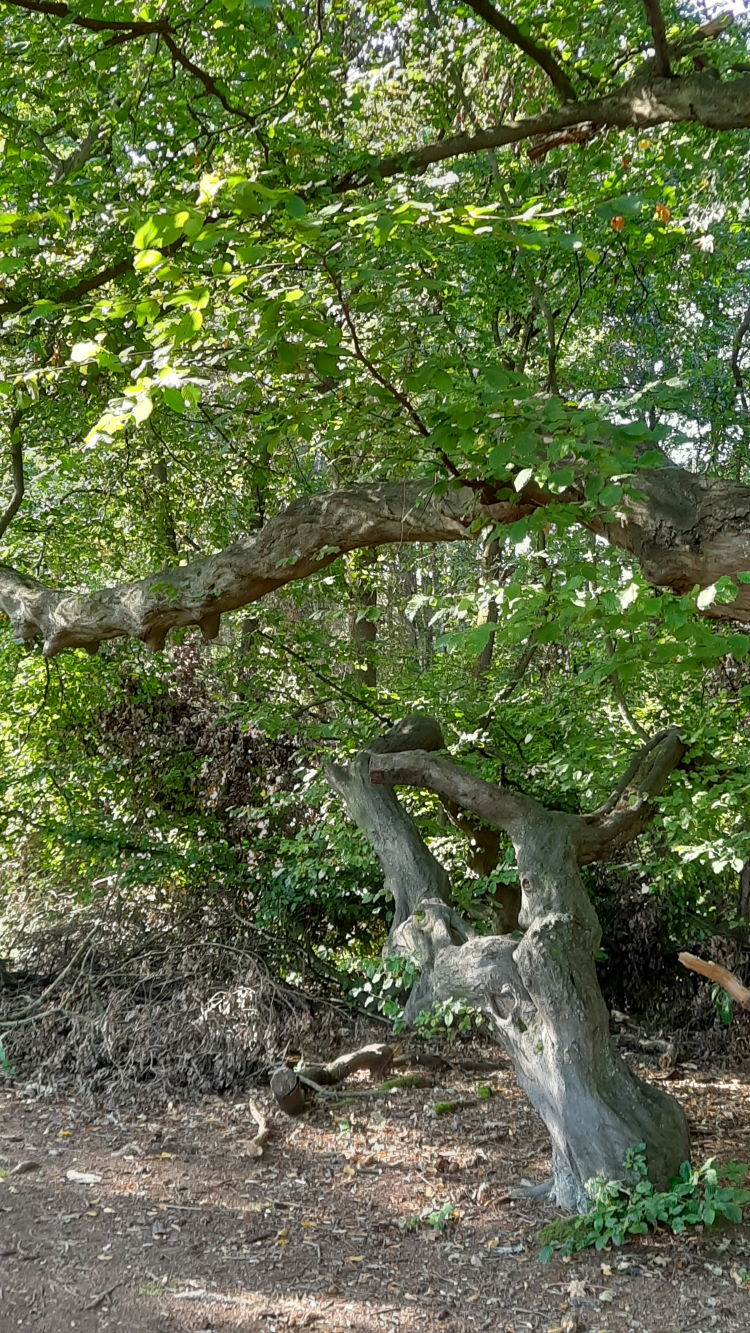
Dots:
{"x": 702, "y": 1195}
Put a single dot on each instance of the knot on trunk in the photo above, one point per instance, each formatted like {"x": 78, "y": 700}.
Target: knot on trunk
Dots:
{"x": 432, "y": 926}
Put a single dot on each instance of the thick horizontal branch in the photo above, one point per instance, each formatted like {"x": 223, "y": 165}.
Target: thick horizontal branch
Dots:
{"x": 699, "y": 98}
{"x": 539, "y": 54}
{"x": 687, "y": 531}
{"x": 305, "y": 538}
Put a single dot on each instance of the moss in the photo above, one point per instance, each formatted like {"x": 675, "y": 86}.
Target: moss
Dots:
{"x": 404, "y": 1081}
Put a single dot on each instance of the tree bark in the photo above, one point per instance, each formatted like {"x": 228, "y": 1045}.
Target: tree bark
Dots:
{"x": 541, "y": 994}
{"x": 411, "y": 871}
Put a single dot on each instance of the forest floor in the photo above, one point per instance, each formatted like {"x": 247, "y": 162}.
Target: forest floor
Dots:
{"x": 375, "y": 1213}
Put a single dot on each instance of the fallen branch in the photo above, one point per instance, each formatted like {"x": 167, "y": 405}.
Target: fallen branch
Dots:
{"x": 721, "y": 975}
{"x": 376, "y": 1059}
{"x": 287, "y": 1084}
{"x": 255, "y": 1146}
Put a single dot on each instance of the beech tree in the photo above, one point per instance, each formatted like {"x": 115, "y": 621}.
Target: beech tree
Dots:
{"x": 540, "y": 995}
{"x": 283, "y": 282}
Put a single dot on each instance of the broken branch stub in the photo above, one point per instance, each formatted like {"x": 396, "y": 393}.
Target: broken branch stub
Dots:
{"x": 721, "y": 975}
{"x": 288, "y": 1091}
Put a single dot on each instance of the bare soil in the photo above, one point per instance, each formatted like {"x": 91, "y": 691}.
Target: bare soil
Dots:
{"x": 365, "y": 1214}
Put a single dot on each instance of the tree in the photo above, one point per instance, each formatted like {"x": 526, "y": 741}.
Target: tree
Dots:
{"x": 245, "y": 311}
{"x": 541, "y": 995}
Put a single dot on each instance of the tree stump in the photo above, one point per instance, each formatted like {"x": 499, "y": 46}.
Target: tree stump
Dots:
{"x": 288, "y": 1091}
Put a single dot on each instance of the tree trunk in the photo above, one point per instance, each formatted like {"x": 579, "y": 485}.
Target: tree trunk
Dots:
{"x": 594, "y": 1108}
{"x": 489, "y": 614}
{"x": 364, "y": 633}
{"x": 540, "y": 995}
{"x": 743, "y": 899}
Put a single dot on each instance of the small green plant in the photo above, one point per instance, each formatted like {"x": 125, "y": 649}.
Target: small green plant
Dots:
{"x": 5, "y": 1064}
{"x": 437, "y": 1219}
{"x": 440, "y": 1218}
{"x": 448, "y": 1015}
{"x": 633, "y": 1207}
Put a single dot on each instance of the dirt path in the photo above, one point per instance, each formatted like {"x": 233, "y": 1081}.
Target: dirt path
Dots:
{"x": 337, "y": 1227}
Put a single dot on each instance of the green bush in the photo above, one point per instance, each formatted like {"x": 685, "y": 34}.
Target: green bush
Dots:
{"x": 696, "y": 1196}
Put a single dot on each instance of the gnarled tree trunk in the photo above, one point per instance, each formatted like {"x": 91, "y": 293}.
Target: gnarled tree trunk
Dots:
{"x": 540, "y": 993}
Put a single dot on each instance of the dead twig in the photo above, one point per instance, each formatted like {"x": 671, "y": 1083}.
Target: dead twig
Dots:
{"x": 255, "y": 1146}
{"x": 101, "y": 1298}
{"x": 37, "y": 1004}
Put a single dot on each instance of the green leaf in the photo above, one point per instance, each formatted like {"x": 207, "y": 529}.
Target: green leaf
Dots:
{"x": 143, "y": 408}
{"x": 188, "y": 327}
{"x": 295, "y": 207}
{"x": 610, "y": 495}
{"x": 145, "y": 234}
{"x": 147, "y": 259}
{"x": 193, "y": 225}
{"x": 174, "y": 399}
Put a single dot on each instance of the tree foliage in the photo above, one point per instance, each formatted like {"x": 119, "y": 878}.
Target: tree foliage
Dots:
{"x": 480, "y": 273}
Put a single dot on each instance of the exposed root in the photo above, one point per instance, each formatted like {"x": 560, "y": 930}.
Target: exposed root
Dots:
{"x": 542, "y": 1189}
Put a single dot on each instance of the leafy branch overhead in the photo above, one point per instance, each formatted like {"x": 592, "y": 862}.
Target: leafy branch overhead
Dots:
{"x": 254, "y": 286}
